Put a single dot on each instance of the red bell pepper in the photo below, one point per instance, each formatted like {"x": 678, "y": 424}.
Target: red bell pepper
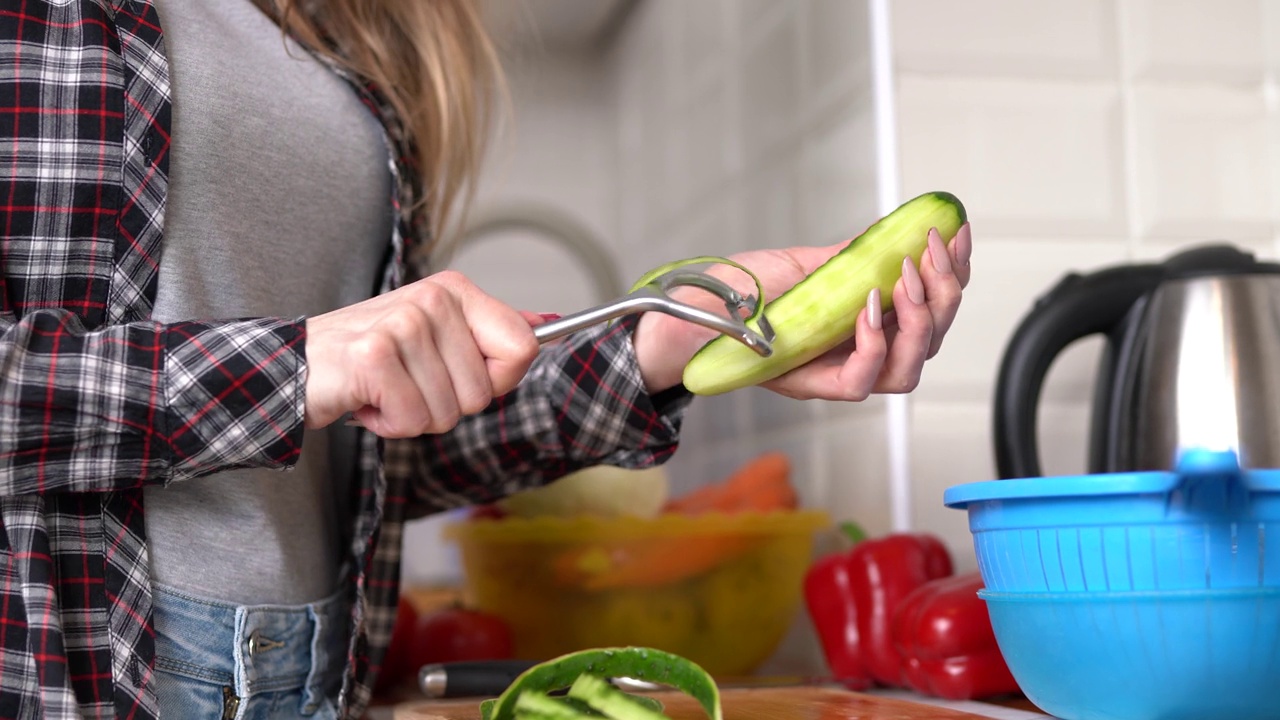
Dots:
{"x": 943, "y": 634}
{"x": 828, "y": 592}
{"x": 851, "y": 597}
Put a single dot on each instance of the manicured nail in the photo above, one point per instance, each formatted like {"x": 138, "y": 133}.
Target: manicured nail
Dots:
{"x": 963, "y": 243}
{"x": 938, "y": 252}
{"x": 549, "y": 316}
{"x": 911, "y": 280}
{"x": 875, "y": 315}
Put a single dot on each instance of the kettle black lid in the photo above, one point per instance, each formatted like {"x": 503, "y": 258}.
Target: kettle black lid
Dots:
{"x": 1217, "y": 259}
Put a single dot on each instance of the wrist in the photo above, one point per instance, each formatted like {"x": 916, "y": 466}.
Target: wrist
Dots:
{"x": 663, "y": 346}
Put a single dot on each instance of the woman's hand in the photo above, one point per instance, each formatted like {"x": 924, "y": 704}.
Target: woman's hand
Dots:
{"x": 887, "y": 353}
{"x": 416, "y": 360}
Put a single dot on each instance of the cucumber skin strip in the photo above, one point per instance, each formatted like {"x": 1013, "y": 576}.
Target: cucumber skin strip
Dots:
{"x": 703, "y": 259}
{"x": 610, "y": 701}
{"x": 486, "y": 705}
{"x": 822, "y": 310}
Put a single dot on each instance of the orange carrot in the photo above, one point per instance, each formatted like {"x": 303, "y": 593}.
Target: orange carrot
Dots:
{"x": 649, "y": 563}
{"x": 762, "y": 484}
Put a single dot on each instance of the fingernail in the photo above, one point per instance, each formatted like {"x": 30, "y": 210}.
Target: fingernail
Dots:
{"x": 938, "y": 252}
{"x": 549, "y": 316}
{"x": 911, "y": 280}
{"x": 875, "y": 315}
{"x": 963, "y": 242}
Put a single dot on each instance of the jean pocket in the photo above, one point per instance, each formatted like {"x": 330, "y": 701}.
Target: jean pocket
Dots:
{"x": 179, "y": 696}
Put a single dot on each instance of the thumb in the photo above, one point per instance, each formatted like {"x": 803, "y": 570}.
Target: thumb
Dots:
{"x": 535, "y": 319}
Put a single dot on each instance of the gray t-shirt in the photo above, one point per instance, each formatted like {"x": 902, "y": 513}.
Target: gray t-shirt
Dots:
{"x": 279, "y": 205}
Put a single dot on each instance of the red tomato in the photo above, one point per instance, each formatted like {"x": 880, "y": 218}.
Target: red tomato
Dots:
{"x": 398, "y": 663}
{"x": 458, "y": 633}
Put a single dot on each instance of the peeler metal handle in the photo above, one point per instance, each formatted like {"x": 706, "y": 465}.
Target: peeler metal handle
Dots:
{"x": 653, "y": 297}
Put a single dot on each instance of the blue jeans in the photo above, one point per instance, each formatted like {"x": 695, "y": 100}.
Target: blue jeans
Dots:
{"x": 218, "y": 660}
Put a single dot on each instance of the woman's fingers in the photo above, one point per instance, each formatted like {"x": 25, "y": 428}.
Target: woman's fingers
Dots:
{"x": 907, "y": 352}
{"x": 502, "y": 336}
{"x": 961, "y": 252}
{"x": 943, "y": 287}
{"x": 415, "y": 360}
{"x": 847, "y": 372}
{"x": 392, "y": 405}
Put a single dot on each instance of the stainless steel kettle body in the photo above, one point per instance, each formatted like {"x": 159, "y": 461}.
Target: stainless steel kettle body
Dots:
{"x": 1204, "y": 373}
{"x": 1191, "y": 360}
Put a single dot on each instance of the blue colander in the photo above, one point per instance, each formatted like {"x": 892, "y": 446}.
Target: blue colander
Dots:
{"x": 1136, "y": 596}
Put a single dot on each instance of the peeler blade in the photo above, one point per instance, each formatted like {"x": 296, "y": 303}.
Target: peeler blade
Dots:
{"x": 654, "y": 297}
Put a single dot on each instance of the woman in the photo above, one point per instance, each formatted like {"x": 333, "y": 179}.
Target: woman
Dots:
{"x": 205, "y": 271}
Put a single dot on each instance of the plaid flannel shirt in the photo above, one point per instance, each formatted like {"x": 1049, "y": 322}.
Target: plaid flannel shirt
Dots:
{"x": 97, "y": 400}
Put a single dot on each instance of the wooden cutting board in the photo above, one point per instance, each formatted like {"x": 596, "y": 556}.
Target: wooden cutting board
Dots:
{"x": 795, "y": 703}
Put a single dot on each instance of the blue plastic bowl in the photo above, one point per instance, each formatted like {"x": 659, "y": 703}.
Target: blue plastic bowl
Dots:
{"x": 1136, "y": 596}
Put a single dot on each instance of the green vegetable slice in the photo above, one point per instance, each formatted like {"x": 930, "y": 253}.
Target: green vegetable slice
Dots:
{"x": 639, "y": 663}
{"x": 609, "y": 700}
{"x": 486, "y": 706}
{"x": 531, "y": 705}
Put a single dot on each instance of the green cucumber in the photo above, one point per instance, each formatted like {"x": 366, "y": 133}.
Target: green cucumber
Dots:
{"x": 821, "y": 311}
{"x": 574, "y": 704}
{"x": 609, "y": 700}
{"x": 638, "y": 663}
{"x": 532, "y": 705}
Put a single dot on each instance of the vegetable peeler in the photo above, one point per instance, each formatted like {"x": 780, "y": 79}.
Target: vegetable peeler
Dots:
{"x": 652, "y": 295}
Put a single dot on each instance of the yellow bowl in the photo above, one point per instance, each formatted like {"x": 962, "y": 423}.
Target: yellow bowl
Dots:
{"x": 721, "y": 590}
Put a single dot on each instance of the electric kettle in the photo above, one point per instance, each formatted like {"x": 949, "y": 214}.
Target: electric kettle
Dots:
{"x": 1191, "y": 359}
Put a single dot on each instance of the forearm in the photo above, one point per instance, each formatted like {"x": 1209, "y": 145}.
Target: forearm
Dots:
{"x": 583, "y": 403}
{"x": 145, "y": 402}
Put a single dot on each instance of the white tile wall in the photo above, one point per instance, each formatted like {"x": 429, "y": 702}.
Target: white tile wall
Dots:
{"x": 857, "y": 467}
{"x": 1188, "y": 40}
{"x": 948, "y": 448}
{"x": 952, "y": 446}
{"x": 837, "y": 178}
{"x": 1202, "y": 163}
{"x": 1031, "y": 158}
{"x": 1036, "y": 40}
{"x": 1159, "y": 250}
{"x": 771, "y": 204}
{"x": 1271, "y": 93}
{"x": 704, "y": 29}
{"x": 1008, "y": 275}
{"x": 1271, "y": 38}
{"x": 770, "y": 84}
{"x": 527, "y": 270}
{"x": 702, "y": 164}
{"x": 835, "y": 62}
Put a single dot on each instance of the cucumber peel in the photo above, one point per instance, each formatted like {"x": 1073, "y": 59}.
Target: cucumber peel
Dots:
{"x": 639, "y": 663}
{"x": 821, "y": 311}
{"x": 536, "y": 706}
{"x": 611, "y": 701}
{"x": 661, "y": 270}
{"x": 526, "y": 708}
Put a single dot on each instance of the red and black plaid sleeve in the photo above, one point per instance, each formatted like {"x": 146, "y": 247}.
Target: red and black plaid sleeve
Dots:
{"x": 144, "y": 403}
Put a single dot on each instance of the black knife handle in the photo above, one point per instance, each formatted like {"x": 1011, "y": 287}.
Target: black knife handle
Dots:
{"x": 464, "y": 679}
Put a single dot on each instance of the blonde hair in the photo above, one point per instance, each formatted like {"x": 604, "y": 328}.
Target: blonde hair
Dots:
{"x": 434, "y": 62}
